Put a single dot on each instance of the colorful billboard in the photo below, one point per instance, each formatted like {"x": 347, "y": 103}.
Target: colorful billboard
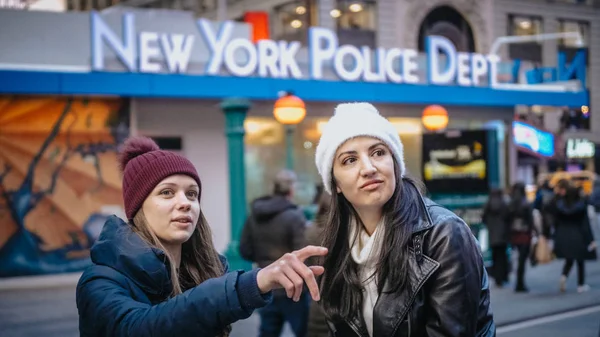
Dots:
{"x": 533, "y": 140}
{"x": 59, "y": 179}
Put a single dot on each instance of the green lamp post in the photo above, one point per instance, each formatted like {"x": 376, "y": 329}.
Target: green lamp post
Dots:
{"x": 235, "y": 110}
{"x": 289, "y": 110}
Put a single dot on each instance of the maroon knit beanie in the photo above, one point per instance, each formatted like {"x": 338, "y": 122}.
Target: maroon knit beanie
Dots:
{"x": 144, "y": 165}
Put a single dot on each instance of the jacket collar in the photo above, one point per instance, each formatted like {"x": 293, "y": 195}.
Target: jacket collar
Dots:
{"x": 391, "y": 308}
{"x": 125, "y": 251}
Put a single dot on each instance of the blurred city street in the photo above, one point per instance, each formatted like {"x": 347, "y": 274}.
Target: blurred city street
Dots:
{"x": 34, "y": 310}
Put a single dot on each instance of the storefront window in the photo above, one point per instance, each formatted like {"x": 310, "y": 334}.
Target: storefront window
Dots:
{"x": 355, "y": 15}
{"x": 525, "y": 25}
{"x": 567, "y": 26}
{"x": 265, "y": 156}
{"x": 265, "y": 152}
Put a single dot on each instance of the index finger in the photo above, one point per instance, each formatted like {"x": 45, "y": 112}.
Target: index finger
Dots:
{"x": 309, "y": 251}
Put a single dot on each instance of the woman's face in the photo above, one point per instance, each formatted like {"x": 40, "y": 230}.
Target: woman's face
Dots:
{"x": 363, "y": 169}
{"x": 172, "y": 209}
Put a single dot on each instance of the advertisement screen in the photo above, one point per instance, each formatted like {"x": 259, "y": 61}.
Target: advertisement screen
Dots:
{"x": 533, "y": 140}
{"x": 455, "y": 162}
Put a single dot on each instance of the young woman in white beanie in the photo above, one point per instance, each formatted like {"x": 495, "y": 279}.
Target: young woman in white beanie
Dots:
{"x": 398, "y": 264}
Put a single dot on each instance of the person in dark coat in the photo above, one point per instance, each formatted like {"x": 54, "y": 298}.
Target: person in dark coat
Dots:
{"x": 495, "y": 218}
{"x": 158, "y": 274}
{"x": 276, "y": 226}
{"x": 543, "y": 199}
{"x": 317, "y": 322}
{"x": 520, "y": 218}
{"x": 573, "y": 240}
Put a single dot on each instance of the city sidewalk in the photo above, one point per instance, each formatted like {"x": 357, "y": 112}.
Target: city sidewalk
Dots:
{"x": 544, "y": 297}
{"x": 34, "y": 306}
{"x": 39, "y": 282}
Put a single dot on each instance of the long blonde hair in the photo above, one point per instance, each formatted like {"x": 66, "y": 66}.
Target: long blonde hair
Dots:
{"x": 199, "y": 258}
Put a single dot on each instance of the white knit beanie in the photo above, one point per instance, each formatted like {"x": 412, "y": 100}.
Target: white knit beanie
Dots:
{"x": 352, "y": 120}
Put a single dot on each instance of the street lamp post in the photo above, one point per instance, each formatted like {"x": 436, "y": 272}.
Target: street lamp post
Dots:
{"x": 289, "y": 110}
{"x": 235, "y": 110}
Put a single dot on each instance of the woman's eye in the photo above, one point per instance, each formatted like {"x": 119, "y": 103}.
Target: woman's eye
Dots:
{"x": 349, "y": 160}
{"x": 379, "y": 152}
{"x": 193, "y": 194}
{"x": 166, "y": 192}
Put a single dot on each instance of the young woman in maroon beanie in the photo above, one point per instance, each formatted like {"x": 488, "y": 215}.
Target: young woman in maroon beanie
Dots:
{"x": 158, "y": 274}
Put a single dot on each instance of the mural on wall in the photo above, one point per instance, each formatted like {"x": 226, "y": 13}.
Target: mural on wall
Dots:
{"x": 59, "y": 179}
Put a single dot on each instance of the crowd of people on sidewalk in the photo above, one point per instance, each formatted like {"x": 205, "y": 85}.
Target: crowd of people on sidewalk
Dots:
{"x": 557, "y": 224}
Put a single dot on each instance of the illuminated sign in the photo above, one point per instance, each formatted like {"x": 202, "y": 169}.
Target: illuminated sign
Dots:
{"x": 152, "y": 52}
{"x": 564, "y": 71}
{"x": 580, "y": 148}
{"x": 532, "y": 139}
{"x": 454, "y": 161}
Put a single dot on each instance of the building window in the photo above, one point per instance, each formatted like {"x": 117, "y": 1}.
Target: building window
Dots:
{"x": 574, "y": 26}
{"x": 524, "y": 25}
{"x": 355, "y": 15}
{"x": 292, "y": 19}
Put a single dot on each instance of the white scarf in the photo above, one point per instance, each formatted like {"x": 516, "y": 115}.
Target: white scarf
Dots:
{"x": 365, "y": 252}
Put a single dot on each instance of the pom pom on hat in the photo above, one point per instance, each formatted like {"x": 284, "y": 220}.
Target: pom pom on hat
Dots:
{"x": 352, "y": 120}
{"x": 144, "y": 165}
{"x": 133, "y": 147}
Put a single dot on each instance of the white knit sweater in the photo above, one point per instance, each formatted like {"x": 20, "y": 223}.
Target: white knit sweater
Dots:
{"x": 365, "y": 252}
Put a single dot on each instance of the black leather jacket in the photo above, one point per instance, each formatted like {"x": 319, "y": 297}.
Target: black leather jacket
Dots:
{"x": 449, "y": 292}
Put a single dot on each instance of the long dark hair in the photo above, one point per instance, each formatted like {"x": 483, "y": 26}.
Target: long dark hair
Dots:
{"x": 517, "y": 196}
{"x": 573, "y": 195}
{"x": 341, "y": 289}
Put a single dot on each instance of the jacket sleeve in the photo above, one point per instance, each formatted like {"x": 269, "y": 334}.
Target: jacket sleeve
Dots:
{"x": 105, "y": 304}
{"x": 246, "y": 242}
{"x": 458, "y": 292}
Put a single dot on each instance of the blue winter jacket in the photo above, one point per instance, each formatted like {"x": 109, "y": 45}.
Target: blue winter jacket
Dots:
{"x": 125, "y": 292}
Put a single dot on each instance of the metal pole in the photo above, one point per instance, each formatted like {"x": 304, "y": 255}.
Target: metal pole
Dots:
{"x": 289, "y": 146}
{"x": 235, "y": 110}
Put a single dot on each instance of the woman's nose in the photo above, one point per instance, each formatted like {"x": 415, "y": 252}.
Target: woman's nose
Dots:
{"x": 367, "y": 167}
{"x": 183, "y": 201}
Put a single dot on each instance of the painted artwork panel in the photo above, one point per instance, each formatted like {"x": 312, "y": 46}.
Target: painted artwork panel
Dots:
{"x": 59, "y": 179}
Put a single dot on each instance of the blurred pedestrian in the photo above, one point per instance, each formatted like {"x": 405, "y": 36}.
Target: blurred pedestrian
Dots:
{"x": 317, "y": 322}
{"x": 495, "y": 218}
{"x": 310, "y": 211}
{"x": 398, "y": 264}
{"x": 520, "y": 217}
{"x": 573, "y": 239}
{"x": 543, "y": 199}
{"x": 594, "y": 201}
{"x": 159, "y": 274}
{"x": 276, "y": 226}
